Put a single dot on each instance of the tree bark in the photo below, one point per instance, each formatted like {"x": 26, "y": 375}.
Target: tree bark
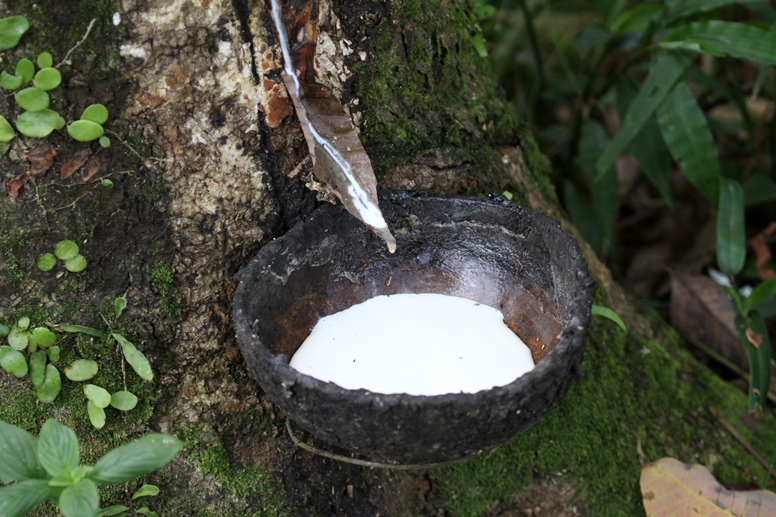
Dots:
{"x": 205, "y": 145}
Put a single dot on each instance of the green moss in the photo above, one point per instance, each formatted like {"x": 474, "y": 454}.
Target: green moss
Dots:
{"x": 427, "y": 88}
{"x": 7, "y": 245}
{"x": 249, "y": 483}
{"x": 163, "y": 280}
{"x": 538, "y": 163}
{"x": 635, "y": 390}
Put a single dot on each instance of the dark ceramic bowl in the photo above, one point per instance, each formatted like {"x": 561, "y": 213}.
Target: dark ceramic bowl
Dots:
{"x": 488, "y": 250}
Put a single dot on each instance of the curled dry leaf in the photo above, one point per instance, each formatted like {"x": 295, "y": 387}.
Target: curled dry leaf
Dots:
{"x": 91, "y": 168}
{"x": 42, "y": 158}
{"x": 670, "y": 488}
{"x": 763, "y": 252}
{"x": 755, "y": 339}
{"x": 14, "y": 185}
{"x": 702, "y": 310}
{"x": 338, "y": 157}
{"x": 74, "y": 162}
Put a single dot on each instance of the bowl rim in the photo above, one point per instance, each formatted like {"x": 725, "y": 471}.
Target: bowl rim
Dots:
{"x": 578, "y": 322}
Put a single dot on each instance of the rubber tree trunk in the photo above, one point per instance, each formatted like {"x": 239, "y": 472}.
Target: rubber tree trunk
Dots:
{"x": 204, "y": 155}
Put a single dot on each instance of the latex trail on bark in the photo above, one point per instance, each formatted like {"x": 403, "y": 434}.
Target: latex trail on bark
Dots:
{"x": 338, "y": 157}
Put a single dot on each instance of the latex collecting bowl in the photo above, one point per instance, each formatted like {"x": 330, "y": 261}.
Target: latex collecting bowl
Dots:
{"x": 489, "y": 250}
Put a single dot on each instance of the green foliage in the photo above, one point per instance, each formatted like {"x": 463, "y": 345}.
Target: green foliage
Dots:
{"x": 66, "y": 250}
{"x": 48, "y": 468}
{"x": 606, "y": 312}
{"x": 11, "y": 31}
{"x": 163, "y": 279}
{"x": 641, "y": 61}
{"x": 36, "y": 119}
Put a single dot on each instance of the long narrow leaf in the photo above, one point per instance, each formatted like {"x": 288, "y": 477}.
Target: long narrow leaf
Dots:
{"x": 663, "y": 74}
{"x": 736, "y": 39}
{"x": 648, "y": 147}
{"x": 753, "y": 335}
{"x": 761, "y": 294}
{"x": 689, "y": 139}
{"x": 731, "y": 239}
{"x": 80, "y": 329}
{"x": 680, "y": 8}
{"x": 604, "y": 190}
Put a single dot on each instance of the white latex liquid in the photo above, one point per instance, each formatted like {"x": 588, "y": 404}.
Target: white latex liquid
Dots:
{"x": 420, "y": 344}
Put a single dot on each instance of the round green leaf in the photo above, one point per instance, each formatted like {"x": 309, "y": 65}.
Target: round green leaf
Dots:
{"x": 23, "y": 323}
{"x": 81, "y": 370}
{"x": 10, "y": 81}
{"x": 45, "y": 60}
{"x": 123, "y": 400}
{"x": 104, "y": 141}
{"x": 96, "y": 415}
{"x": 18, "y": 339}
{"x": 97, "y": 113}
{"x": 107, "y": 183}
{"x": 66, "y": 250}
{"x": 100, "y": 397}
{"x": 13, "y": 361}
{"x": 32, "y": 99}
{"x": 38, "y": 368}
{"x": 44, "y": 337}
{"x": 47, "y": 261}
{"x": 51, "y": 386}
{"x": 47, "y": 78}
{"x": 32, "y": 345}
{"x": 37, "y": 124}
{"x": 59, "y": 123}
{"x": 76, "y": 265}
{"x": 53, "y": 353}
{"x": 85, "y": 130}
{"x": 11, "y": 31}
{"x": 25, "y": 69}
{"x": 4, "y": 330}
{"x": 6, "y": 130}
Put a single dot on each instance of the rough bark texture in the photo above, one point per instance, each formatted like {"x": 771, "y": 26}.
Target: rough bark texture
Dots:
{"x": 204, "y": 140}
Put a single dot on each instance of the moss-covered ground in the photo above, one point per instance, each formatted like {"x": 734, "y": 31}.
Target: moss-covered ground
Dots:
{"x": 636, "y": 389}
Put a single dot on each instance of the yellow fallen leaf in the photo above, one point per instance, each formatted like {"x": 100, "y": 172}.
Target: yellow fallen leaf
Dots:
{"x": 671, "y": 488}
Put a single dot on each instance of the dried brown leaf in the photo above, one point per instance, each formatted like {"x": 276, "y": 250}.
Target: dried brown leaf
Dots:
{"x": 671, "y": 488}
{"x": 763, "y": 252}
{"x": 74, "y": 162}
{"x": 42, "y": 158}
{"x": 91, "y": 168}
{"x": 755, "y": 339}
{"x": 701, "y": 309}
{"x": 16, "y": 184}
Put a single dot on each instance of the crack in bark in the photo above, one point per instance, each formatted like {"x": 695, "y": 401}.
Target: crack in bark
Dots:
{"x": 242, "y": 10}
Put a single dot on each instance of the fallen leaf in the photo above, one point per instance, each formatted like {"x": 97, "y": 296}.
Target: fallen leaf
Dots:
{"x": 42, "y": 158}
{"x": 74, "y": 162}
{"x": 91, "y": 168}
{"x": 763, "y": 252}
{"x": 701, "y": 309}
{"x": 338, "y": 157}
{"x": 16, "y": 184}
{"x": 671, "y": 488}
